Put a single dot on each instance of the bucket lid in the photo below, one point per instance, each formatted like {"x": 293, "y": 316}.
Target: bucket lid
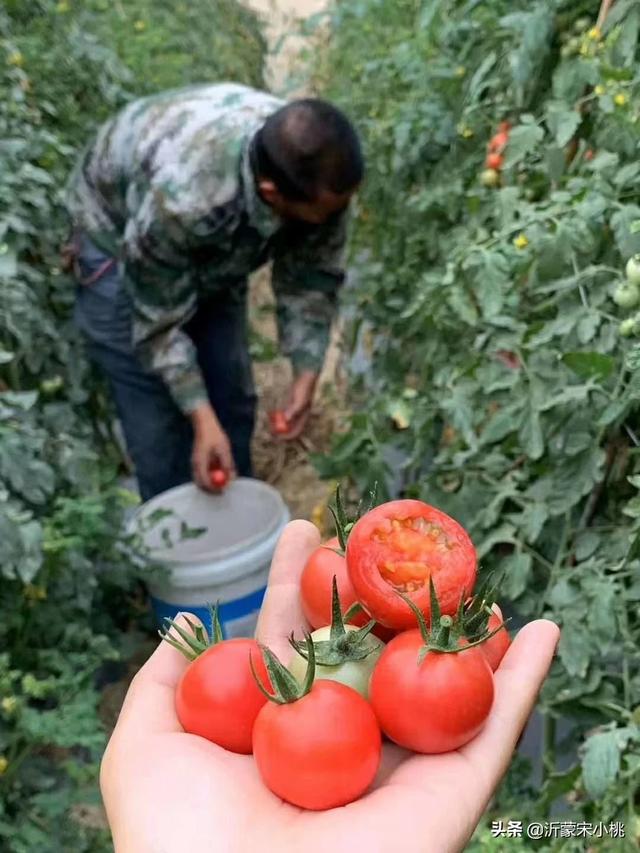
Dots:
{"x": 188, "y": 526}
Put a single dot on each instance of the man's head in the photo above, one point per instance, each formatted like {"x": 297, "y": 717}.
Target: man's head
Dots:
{"x": 307, "y": 161}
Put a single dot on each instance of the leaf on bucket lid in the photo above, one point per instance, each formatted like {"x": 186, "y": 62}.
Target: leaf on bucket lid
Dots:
{"x": 187, "y": 532}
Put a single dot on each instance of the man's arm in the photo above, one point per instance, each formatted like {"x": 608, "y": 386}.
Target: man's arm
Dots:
{"x": 308, "y": 271}
{"x": 157, "y": 269}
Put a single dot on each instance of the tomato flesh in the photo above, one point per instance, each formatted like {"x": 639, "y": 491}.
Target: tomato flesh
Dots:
{"x": 434, "y": 706}
{"x": 321, "y": 751}
{"x": 397, "y": 548}
{"x": 217, "y": 697}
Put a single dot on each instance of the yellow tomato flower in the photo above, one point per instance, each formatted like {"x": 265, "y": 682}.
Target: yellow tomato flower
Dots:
{"x": 464, "y": 131}
{"x": 9, "y": 704}
{"x": 15, "y": 58}
{"x": 599, "y": 89}
{"x": 620, "y": 99}
{"x": 461, "y": 71}
{"x": 521, "y": 241}
{"x": 139, "y": 26}
{"x": 594, "y": 34}
{"x": 4, "y": 763}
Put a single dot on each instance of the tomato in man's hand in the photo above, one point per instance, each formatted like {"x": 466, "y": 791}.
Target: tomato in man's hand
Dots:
{"x": 398, "y": 547}
{"x": 219, "y": 478}
{"x": 279, "y": 423}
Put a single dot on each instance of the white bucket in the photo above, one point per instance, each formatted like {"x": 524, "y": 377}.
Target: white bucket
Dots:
{"x": 227, "y": 564}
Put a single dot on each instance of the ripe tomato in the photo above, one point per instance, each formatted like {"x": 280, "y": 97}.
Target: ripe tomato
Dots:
{"x": 434, "y": 706}
{"x": 495, "y": 648}
{"x": 315, "y": 589}
{"x": 217, "y": 697}
{"x": 353, "y": 673}
{"x": 494, "y": 161}
{"x": 279, "y": 424}
{"x": 321, "y": 751}
{"x": 315, "y": 586}
{"x": 398, "y": 547}
{"x": 504, "y": 127}
{"x": 219, "y": 478}
{"x": 499, "y": 142}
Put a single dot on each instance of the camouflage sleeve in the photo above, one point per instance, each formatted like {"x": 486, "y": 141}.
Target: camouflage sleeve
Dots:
{"x": 164, "y": 299}
{"x": 308, "y": 271}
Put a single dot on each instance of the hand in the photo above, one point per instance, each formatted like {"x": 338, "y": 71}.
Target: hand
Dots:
{"x": 298, "y": 406}
{"x": 211, "y": 448}
{"x": 165, "y": 790}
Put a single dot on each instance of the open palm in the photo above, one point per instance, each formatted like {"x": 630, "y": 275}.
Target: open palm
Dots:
{"x": 165, "y": 790}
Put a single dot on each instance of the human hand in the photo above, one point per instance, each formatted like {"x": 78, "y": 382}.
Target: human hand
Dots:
{"x": 165, "y": 790}
{"x": 211, "y": 448}
{"x": 298, "y": 407}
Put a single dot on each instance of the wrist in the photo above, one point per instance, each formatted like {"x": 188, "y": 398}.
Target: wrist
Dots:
{"x": 204, "y": 419}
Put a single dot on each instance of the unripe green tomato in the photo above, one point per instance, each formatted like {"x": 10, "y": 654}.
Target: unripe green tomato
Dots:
{"x": 49, "y": 387}
{"x": 353, "y": 673}
{"x": 633, "y": 269}
{"x": 626, "y": 295}
{"x": 628, "y": 327}
{"x": 489, "y": 178}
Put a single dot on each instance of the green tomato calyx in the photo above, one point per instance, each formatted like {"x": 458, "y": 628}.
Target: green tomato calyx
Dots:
{"x": 286, "y": 687}
{"x": 344, "y": 525}
{"x": 342, "y": 645}
{"x": 451, "y": 634}
{"x": 193, "y": 644}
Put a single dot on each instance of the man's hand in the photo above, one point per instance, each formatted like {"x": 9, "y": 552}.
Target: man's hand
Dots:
{"x": 211, "y": 447}
{"x": 298, "y": 407}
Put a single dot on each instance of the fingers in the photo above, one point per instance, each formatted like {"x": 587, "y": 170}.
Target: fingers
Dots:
{"x": 517, "y": 681}
{"x": 149, "y": 705}
{"x": 281, "y": 611}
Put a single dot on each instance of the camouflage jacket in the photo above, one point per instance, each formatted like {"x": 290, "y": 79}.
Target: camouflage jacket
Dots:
{"x": 167, "y": 188}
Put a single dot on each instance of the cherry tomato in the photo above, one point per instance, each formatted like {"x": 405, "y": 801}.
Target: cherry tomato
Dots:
{"x": 217, "y": 697}
{"x": 633, "y": 269}
{"x": 434, "y": 706}
{"x": 489, "y": 178}
{"x": 499, "y": 142}
{"x": 219, "y": 478}
{"x": 353, "y": 673}
{"x": 397, "y": 547}
{"x": 495, "y": 648}
{"x": 494, "y": 161}
{"x": 315, "y": 589}
{"x": 321, "y": 751}
{"x": 627, "y": 295}
{"x": 504, "y": 127}
{"x": 279, "y": 424}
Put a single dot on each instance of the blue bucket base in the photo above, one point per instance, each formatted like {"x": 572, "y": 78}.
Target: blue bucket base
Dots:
{"x": 238, "y": 618}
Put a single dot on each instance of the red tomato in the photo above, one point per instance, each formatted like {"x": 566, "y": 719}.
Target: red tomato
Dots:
{"x": 589, "y": 154}
{"x": 495, "y": 648}
{"x": 218, "y": 698}
{"x": 279, "y": 424}
{"x": 504, "y": 127}
{"x": 434, "y": 706}
{"x": 316, "y": 584}
{"x": 321, "y": 751}
{"x": 499, "y": 142}
{"x": 397, "y": 547}
{"x": 494, "y": 161}
{"x": 219, "y": 478}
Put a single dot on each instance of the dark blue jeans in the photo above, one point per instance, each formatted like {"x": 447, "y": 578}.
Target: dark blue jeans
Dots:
{"x": 159, "y": 437}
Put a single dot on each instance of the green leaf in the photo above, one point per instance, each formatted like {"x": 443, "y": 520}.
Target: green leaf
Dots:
{"x": 6, "y": 357}
{"x": 522, "y": 140}
{"x": 588, "y": 326}
{"x": 531, "y": 434}
{"x": 600, "y": 763}
{"x": 574, "y": 648}
{"x": 589, "y": 365}
{"x": 562, "y": 122}
{"x": 516, "y": 571}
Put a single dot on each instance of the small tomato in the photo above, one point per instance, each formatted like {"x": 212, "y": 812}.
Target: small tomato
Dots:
{"x": 633, "y": 269}
{"x": 494, "y": 161}
{"x": 626, "y": 295}
{"x": 489, "y": 178}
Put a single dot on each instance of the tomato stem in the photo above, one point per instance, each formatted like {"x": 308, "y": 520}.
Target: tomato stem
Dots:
{"x": 193, "y": 644}
{"x": 286, "y": 688}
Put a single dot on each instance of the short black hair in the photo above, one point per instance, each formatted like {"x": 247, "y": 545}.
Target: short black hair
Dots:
{"x": 306, "y": 147}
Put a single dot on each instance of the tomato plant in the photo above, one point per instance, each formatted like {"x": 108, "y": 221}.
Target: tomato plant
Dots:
{"x": 316, "y": 745}
{"x": 402, "y": 546}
